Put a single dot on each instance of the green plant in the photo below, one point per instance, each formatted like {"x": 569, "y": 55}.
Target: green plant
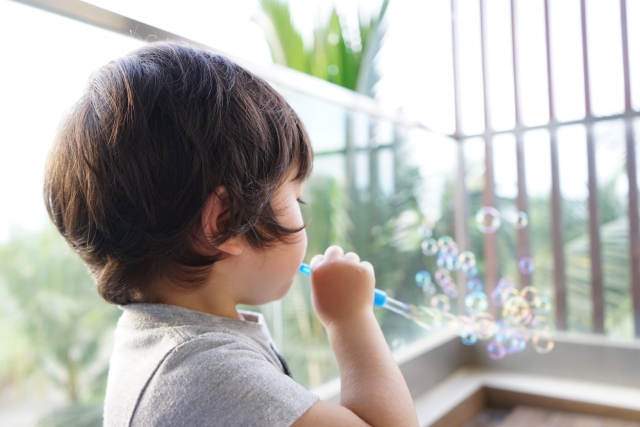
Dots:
{"x": 50, "y": 300}
{"x": 338, "y": 54}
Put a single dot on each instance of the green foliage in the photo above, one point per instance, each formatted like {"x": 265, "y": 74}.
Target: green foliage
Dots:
{"x": 338, "y": 54}
{"x": 49, "y": 300}
{"x": 77, "y": 415}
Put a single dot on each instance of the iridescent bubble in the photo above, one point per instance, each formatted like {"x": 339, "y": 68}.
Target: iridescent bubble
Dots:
{"x": 543, "y": 304}
{"x": 441, "y": 302}
{"x": 468, "y": 335}
{"x": 542, "y": 342}
{"x": 429, "y": 247}
{"x": 474, "y": 284}
{"x": 450, "y": 289}
{"x": 525, "y": 265}
{"x": 515, "y": 310}
{"x": 504, "y": 290}
{"x": 488, "y": 219}
{"x": 473, "y": 271}
{"x": 429, "y": 290}
{"x": 423, "y": 278}
{"x": 530, "y": 294}
{"x": 520, "y": 220}
{"x": 467, "y": 260}
{"x": 441, "y": 275}
{"x": 539, "y": 322}
{"x": 424, "y": 230}
{"x": 447, "y": 244}
{"x": 397, "y": 344}
{"x": 496, "y": 350}
{"x": 448, "y": 261}
{"x": 484, "y": 325}
{"x": 476, "y": 302}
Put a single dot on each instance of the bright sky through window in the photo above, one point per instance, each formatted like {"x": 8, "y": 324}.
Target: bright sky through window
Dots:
{"x": 48, "y": 59}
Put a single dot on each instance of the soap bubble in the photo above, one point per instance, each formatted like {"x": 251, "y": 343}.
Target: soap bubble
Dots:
{"x": 488, "y": 219}
{"x": 520, "y": 220}
{"x": 539, "y": 322}
{"x": 441, "y": 275}
{"x": 474, "y": 285}
{"x": 423, "y": 278}
{"x": 526, "y": 265}
{"x": 429, "y": 290}
{"x": 424, "y": 230}
{"x": 515, "y": 310}
{"x": 496, "y": 350}
{"x": 467, "y": 261}
{"x": 504, "y": 290}
{"x": 448, "y": 261}
{"x": 542, "y": 342}
{"x": 484, "y": 325}
{"x": 450, "y": 289}
{"x": 468, "y": 335}
{"x": 397, "y": 344}
{"x": 429, "y": 247}
{"x": 543, "y": 304}
{"x": 530, "y": 294}
{"x": 472, "y": 272}
{"x": 447, "y": 244}
{"x": 476, "y": 302}
{"x": 441, "y": 302}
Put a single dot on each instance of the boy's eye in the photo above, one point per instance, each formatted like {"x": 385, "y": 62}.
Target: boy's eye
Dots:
{"x": 302, "y": 202}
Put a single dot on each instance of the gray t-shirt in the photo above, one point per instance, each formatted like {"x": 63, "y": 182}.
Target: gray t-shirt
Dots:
{"x": 177, "y": 367}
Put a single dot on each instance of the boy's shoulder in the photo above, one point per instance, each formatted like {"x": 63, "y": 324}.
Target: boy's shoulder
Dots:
{"x": 173, "y": 366}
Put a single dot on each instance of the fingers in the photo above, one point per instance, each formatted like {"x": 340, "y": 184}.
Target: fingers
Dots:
{"x": 352, "y": 256}
{"x": 317, "y": 259}
{"x": 368, "y": 266}
{"x": 333, "y": 251}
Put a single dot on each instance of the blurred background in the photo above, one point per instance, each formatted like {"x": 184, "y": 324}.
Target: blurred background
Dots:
{"x": 420, "y": 113}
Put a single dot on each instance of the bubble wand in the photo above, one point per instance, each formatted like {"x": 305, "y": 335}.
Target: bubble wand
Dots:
{"x": 380, "y": 298}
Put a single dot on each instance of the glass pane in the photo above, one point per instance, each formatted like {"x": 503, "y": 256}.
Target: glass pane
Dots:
{"x": 538, "y": 175}
{"x": 315, "y": 115}
{"x": 605, "y": 57}
{"x": 532, "y": 62}
{"x": 471, "y": 91}
{"x": 613, "y": 186}
{"x": 49, "y": 309}
{"x": 499, "y": 60}
{"x": 506, "y": 190}
{"x": 566, "y": 59}
{"x": 572, "y": 157}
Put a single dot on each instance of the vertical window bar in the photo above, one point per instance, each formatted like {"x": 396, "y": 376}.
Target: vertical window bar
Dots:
{"x": 634, "y": 223}
{"x": 594, "y": 209}
{"x": 488, "y": 196}
{"x": 523, "y": 245}
{"x": 557, "y": 230}
{"x": 461, "y": 196}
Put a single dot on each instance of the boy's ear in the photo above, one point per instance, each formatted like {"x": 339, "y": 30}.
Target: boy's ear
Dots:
{"x": 214, "y": 216}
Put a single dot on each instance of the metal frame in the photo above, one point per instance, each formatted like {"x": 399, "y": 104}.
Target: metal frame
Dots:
{"x": 299, "y": 82}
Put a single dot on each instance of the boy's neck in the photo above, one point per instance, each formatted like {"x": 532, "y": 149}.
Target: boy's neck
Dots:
{"x": 221, "y": 305}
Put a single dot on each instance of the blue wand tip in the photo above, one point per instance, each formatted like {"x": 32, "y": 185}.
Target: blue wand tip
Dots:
{"x": 305, "y": 269}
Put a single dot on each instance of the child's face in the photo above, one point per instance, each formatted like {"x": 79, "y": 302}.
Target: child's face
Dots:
{"x": 269, "y": 274}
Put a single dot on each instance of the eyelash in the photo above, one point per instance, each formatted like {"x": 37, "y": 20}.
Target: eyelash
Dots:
{"x": 302, "y": 202}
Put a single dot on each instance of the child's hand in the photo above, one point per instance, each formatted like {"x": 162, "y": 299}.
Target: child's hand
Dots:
{"x": 342, "y": 285}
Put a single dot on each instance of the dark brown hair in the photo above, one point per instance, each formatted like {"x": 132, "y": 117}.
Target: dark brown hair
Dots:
{"x": 154, "y": 134}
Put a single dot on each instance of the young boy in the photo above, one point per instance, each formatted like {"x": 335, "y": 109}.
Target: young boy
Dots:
{"x": 176, "y": 178}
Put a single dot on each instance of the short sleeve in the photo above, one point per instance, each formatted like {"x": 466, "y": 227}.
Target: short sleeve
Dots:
{"x": 217, "y": 380}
